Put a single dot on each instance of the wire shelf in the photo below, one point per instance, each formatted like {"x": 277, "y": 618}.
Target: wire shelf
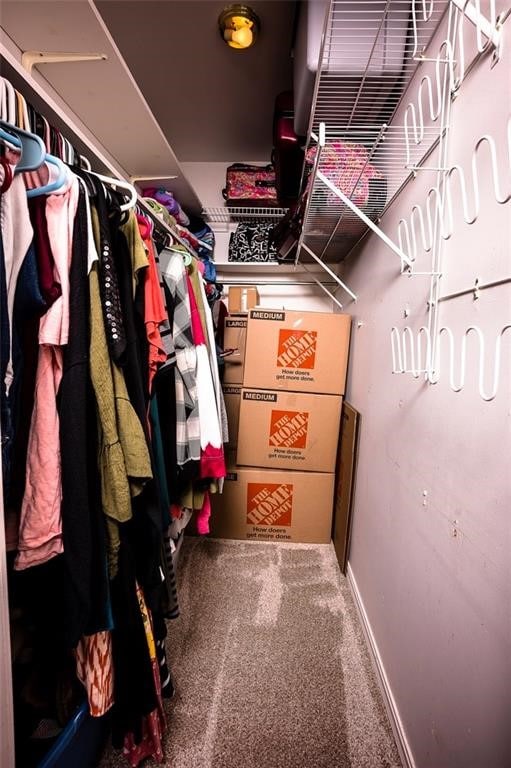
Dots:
{"x": 371, "y": 50}
{"x": 227, "y": 214}
{"x": 389, "y": 155}
{"x": 370, "y": 53}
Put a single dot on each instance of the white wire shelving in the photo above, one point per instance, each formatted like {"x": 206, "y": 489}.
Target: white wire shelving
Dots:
{"x": 370, "y": 51}
{"x": 369, "y": 54}
{"x": 227, "y": 214}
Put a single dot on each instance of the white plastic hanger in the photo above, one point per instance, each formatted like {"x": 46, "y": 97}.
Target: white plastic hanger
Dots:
{"x": 120, "y": 184}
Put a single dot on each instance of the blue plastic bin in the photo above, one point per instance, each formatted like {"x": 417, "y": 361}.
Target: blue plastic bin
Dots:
{"x": 80, "y": 744}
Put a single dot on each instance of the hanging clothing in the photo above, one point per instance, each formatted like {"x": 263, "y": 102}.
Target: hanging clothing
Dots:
{"x": 86, "y": 589}
{"x": 153, "y": 724}
{"x": 208, "y": 415}
{"x": 187, "y": 411}
{"x": 17, "y": 234}
{"x": 40, "y": 535}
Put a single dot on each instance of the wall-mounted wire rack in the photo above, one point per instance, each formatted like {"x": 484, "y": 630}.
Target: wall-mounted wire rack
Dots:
{"x": 370, "y": 51}
{"x": 424, "y": 351}
{"x": 227, "y": 214}
{"x": 418, "y": 354}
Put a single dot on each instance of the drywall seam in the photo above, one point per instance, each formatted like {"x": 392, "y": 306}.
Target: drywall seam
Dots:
{"x": 403, "y": 746}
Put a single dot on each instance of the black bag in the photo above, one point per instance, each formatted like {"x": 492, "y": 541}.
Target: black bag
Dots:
{"x": 286, "y": 234}
{"x": 251, "y": 242}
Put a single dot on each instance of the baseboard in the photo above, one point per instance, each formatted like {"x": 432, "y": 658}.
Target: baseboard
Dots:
{"x": 395, "y": 720}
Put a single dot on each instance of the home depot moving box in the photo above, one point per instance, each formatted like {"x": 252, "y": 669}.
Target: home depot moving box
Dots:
{"x": 242, "y": 298}
{"x": 274, "y": 505}
{"x": 298, "y": 351}
{"x": 235, "y": 334}
{"x": 288, "y": 430}
{"x": 232, "y": 398}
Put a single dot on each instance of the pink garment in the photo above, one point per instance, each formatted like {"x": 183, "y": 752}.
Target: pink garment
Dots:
{"x": 204, "y": 515}
{"x": 212, "y": 462}
{"x": 40, "y": 535}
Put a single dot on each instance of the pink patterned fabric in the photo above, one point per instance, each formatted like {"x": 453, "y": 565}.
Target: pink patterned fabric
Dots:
{"x": 347, "y": 166}
{"x": 252, "y": 184}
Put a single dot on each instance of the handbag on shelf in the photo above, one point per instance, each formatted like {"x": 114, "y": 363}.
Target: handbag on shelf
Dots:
{"x": 252, "y": 243}
{"x": 250, "y": 185}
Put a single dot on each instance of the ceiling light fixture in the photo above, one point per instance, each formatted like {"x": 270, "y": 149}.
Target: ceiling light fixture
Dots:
{"x": 239, "y": 26}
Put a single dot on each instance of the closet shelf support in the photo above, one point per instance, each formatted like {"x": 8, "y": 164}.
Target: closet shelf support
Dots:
{"x": 327, "y": 269}
{"x": 136, "y": 179}
{"x": 30, "y": 59}
{"x": 367, "y": 221}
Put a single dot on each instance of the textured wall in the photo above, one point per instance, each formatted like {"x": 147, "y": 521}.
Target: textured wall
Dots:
{"x": 434, "y": 570}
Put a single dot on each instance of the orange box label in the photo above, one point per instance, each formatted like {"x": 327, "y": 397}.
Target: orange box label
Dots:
{"x": 297, "y": 349}
{"x": 288, "y": 429}
{"x": 269, "y": 503}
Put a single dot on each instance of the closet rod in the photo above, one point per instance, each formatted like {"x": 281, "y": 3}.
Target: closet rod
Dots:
{"x": 269, "y": 283}
{"x": 163, "y": 226}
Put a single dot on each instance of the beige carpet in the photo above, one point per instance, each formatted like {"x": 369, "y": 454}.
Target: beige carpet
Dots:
{"x": 269, "y": 662}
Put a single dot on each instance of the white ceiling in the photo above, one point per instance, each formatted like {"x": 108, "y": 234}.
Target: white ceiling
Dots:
{"x": 213, "y": 104}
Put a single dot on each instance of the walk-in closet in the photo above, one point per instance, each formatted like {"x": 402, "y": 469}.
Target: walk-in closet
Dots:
{"x": 255, "y": 350}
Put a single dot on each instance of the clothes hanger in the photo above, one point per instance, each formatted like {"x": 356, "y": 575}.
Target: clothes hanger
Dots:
{"x": 187, "y": 256}
{"x": 53, "y": 186}
{"x": 33, "y": 155}
{"x": 32, "y": 147}
{"x": 120, "y": 184}
{"x": 7, "y": 101}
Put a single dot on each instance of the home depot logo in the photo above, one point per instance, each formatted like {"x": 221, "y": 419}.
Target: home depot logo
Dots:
{"x": 288, "y": 429}
{"x": 297, "y": 349}
{"x": 269, "y": 503}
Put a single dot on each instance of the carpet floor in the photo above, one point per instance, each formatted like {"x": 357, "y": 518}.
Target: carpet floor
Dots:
{"x": 270, "y": 665}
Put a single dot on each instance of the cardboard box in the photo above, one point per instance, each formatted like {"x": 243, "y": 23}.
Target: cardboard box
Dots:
{"x": 242, "y": 298}
{"x": 297, "y": 351}
{"x": 232, "y": 399}
{"x": 274, "y": 505}
{"x": 235, "y": 336}
{"x": 288, "y": 430}
{"x": 345, "y": 483}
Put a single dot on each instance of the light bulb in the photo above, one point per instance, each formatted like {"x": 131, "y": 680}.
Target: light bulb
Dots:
{"x": 243, "y": 37}
{"x": 239, "y": 26}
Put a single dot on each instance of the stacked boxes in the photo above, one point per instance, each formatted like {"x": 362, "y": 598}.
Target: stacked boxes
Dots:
{"x": 235, "y": 334}
{"x": 281, "y": 479}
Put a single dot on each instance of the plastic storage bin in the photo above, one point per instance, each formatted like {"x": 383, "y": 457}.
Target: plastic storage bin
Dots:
{"x": 80, "y": 744}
